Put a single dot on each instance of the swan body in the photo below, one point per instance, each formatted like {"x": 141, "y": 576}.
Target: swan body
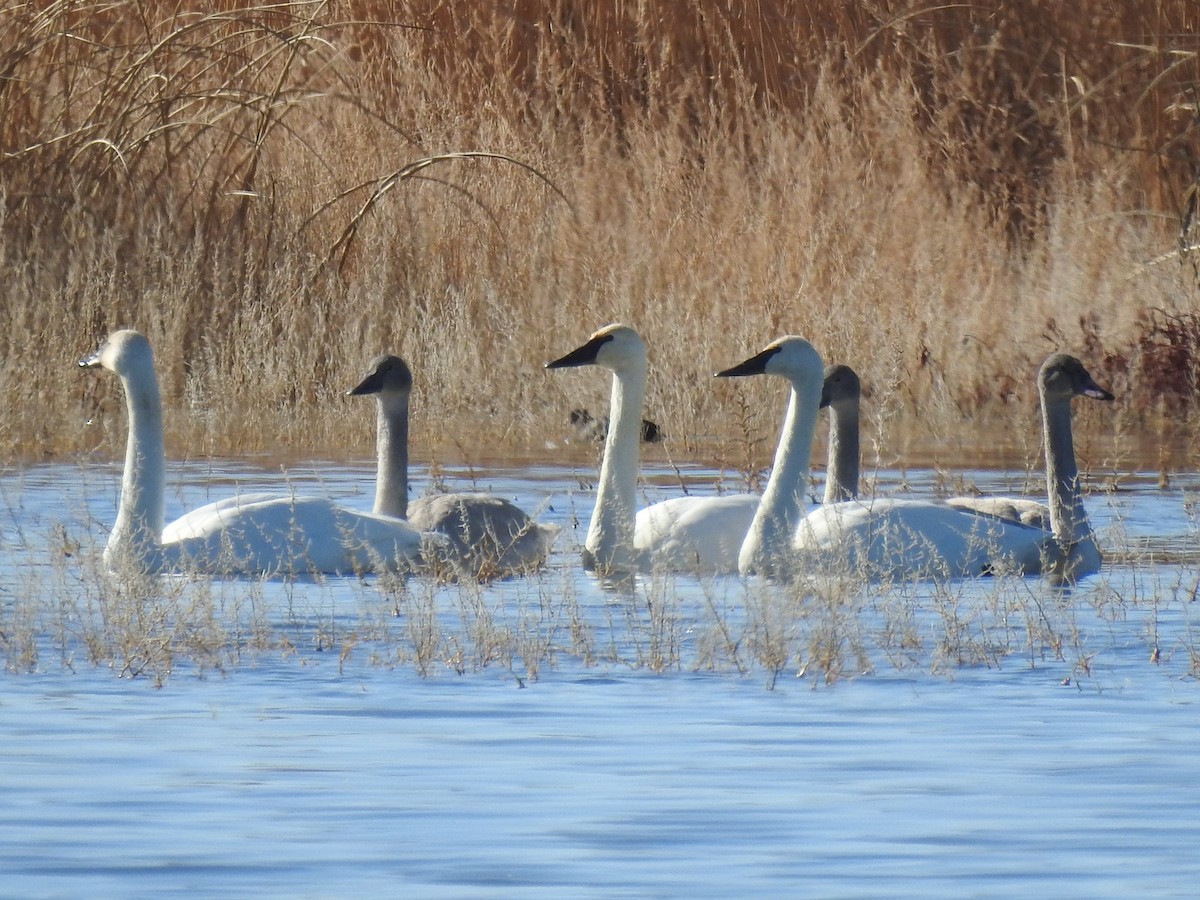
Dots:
{"x": 695, "y": 534}
{"x": 267, "y": 534}
{"x": 891, "y": 539}
{"x": 483, "y": 535}
{"x": 258, "y": 534}
{"x": 927, "y": 539}
{"x": 698, "y": 535}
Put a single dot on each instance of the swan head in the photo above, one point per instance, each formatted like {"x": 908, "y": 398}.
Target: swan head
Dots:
{"x": 387, "y": 374}
{"x": 790, "y": 357}
{"x": 123, "y": 352}
{"x": 1063, "y": 376}
{"x": 616, "y": 347}
{"x": 841, "y": 388}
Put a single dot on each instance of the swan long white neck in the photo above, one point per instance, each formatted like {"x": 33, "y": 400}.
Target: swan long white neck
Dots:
{"x": 609, "y": 543}
{"x": 841, "y": 478}
{"x": 767, "y": 546}
{"x": 391, "y": 474}
{"x": 138, "y": 529}
{"x": 1068, "y": 519}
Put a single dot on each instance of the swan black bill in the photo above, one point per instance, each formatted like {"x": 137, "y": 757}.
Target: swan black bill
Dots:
{"x": 372, "y": 384}
{"x": 755, "y": 365}
{"x": 581, "y": 356}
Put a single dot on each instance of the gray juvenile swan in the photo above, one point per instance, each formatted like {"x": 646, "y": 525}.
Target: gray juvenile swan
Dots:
{"x": 256, "y": 534}
{"x": 906, "y": 538}
{"x": 487, "y": 536}
{"x": 842, "y": 394}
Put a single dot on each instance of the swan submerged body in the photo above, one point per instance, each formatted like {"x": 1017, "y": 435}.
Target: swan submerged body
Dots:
{"x": 254, "y": 535}
{"x": 483, "y": 536}
{"x": 889, "y": 538}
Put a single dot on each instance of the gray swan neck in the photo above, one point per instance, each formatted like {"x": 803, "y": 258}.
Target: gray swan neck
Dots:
{"x": 841, "y": 478}
{"x": 391, "y": 481}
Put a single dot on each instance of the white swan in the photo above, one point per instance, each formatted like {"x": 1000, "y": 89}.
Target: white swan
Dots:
{"x": 685, "y": 523}
{"x": 766, "y": 547}
{"x": 487, "y": 536}
{"x": 257, "y": 534}
{"x": 914, "y": 538}
{"x": 690, "y": 534}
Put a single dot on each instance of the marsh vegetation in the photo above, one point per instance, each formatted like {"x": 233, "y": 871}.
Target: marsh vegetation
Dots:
{"x": 939, "y": 197}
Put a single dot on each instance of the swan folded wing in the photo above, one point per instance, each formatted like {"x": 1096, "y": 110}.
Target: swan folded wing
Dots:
{"x": 484, "y": 534}
{"x": 273, "y": 535}
{"x": 1017, "y": 509}
{"x": 896, "y": 539}
{"x": 695, "y": 534}
{"x": 199, "y": 521}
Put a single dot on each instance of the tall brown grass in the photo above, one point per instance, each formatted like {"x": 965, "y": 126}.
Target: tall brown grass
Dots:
{"x": 938, "y": 195}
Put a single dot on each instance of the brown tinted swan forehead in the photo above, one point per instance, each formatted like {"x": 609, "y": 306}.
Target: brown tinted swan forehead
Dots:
{"x": 121, "y": 351}
{"x": 1063, "y": 375}
{"x": 841, "y": 385}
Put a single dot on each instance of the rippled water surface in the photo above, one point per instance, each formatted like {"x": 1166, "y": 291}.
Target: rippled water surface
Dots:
{"x": 1030, "y": 747}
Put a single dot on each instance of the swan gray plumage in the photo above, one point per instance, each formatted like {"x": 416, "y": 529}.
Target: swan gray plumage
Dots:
{"x": 891, "y": 538}
{"x": 486, "y": 536}
{"x": 842, "y": 394}
{"x": 1019, "y": 509}
{"x": 256, "y": 534}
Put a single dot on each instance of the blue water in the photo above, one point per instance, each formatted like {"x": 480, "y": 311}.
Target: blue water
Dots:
{"x": 329, "y": 766}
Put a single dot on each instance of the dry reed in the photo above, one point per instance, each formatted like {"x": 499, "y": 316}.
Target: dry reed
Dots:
{"x": 938, "y": 196}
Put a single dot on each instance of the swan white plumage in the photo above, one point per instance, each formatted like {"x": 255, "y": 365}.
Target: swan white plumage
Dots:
{"x": 256, "y": 534}
{"x": 891, "y": 538}
{"x": 486, "y": 536}
{"x": 766, "y": 547}
{"x": 688, "y": 534}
